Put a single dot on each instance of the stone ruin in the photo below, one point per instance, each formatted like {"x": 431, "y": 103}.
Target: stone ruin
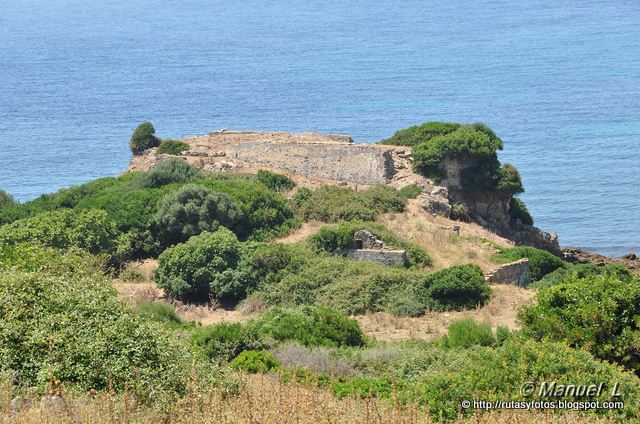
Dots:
{"x": 517, "y": 273}
{"x": 365, "y": 246}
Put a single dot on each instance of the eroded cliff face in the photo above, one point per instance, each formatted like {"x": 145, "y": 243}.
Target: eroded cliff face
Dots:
{"x": 335, "y": 158}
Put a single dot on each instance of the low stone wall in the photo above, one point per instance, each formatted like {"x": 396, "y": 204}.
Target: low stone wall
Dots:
{"x": 385, "y": 257}
{"x": 348, "y": 162}
{"x": 517, "y": 273}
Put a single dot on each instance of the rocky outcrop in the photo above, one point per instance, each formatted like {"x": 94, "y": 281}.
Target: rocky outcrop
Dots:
{"x": 336, "y": 158}
{"x": 579, "y": 256}
{"x": 517, "y": 273}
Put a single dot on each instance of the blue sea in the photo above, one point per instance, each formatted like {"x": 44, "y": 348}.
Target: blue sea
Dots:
{"x": 559, "y": 81}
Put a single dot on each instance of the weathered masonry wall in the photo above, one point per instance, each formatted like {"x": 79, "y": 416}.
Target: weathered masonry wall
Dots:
{"x": 517, "y": 273}
{"x": 385, "y": 257}
{"x": 354, "y": 163}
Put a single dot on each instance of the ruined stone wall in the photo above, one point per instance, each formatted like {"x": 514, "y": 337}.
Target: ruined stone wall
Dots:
{"x": 353, "y": 163}
{"x": 517, "y": 273}
{"x": 385, "y": 257}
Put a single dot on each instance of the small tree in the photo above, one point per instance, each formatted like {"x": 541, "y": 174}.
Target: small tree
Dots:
{"x": 191, "y": 210}
{"x": 5, "y": 199}
{"x": 143, "y": 138}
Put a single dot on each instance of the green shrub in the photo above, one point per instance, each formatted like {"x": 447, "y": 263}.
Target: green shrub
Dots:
{"x": 410, "y": 191}
{"x": 172, "y": 171}
{"x": 276, "y": 182}
{"x": 454, "y": 288}
{"x": 143, "y": 138}
{"x": 6, "y": 199}
{"x": 465, "y": 333}
{"x": 597, "y": 313}
{"x": 255, "y": 361}
{"x": 571, "y": 272}
{"x": 73, "y": 329}
{"x": 204, "y": 265}
{"x": 499, "y": 373}
{"x": 460, "y": 212}
{"x": 172, "y": 147}
{"x": 90, "y": 230}
{"x": 475, "y": 141}
{"x": 509, "y": 181}
{"x": 417, "y": 134}
{"x": 406, "y": 304}
{"x": 518, "y": 210}
{"x": 337, "y": 239}
{"x": 311, "y": 326}
{"x": 191, "y": 210}
{"x": 225, "y": 341}
{"x": 159, "y": 312}
{"x": 264, "y": 213}
{"x": 362, "y": 387}
{"x": 333, "y": 203}
{"x": 541, "y": 262}
{"x": 37, "y": 258}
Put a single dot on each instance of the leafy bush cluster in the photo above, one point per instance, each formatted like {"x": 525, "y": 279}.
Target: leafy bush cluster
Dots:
{"x": 332, "y": 203}
{"x": 172, "y": 147}
{"x": 225, "y": 341}
{"x": 417, "y": 134}
{"x": 6, "y": 199}
{"x": 276, "y": 182}
{"x": 541, "y": 262}
{"x": 337, "y": 239}
{"x": 598, "y": 313}
{"x": 465, "y": 333}
{"x": 143, "y": 138}
{"x": 518, "y": 210}
{"x": 89, "y": 229}
{"x": 172, "y": 171}
{"x": 581, "y": 271}
{"x": 454, "y": 288}
{"x": 255, "y": 361}
{"x": 154, "y": 210}
{"x": 73, "y": 329}
{"x": 311, "y": 326}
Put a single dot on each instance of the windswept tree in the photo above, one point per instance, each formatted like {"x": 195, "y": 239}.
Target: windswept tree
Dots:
{"x": 143, "y": 138}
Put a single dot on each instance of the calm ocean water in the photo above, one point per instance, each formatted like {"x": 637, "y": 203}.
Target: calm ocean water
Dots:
{"x": 558, "y": 81}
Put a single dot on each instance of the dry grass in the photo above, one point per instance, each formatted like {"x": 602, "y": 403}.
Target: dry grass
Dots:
{"x": 262, "y": 399}
{"x": 501, "y": 310}
{"x": 305, "y": 230}
{"x": 475, "y": 244}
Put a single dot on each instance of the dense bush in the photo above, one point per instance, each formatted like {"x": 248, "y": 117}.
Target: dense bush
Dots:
{"x": 348, "y": 285}
{"x": 465, "y": 333}
{"x": 474, "y": 141}
{"x": 332, "y": 203}
{"x": 311, "y": 326}
{"x": 337, "y": 239}
{"x": 255, "y": 361}
{"x": 73, "y": 329}
{"x": 172, "y": 147}
{"x": 276, "y": 182}
{"x": 225, "y": 341}
{"x": 264, "y": 213}
{"x": 191, "y": 210}
{"x": 570, "y": 272}
{"x": 509, "y": 181}
{"x": 498, "y": 374}
{"x": 204, "y": 265}
{"x": 456, "y": 287}
{"x": 143, "y": 138}
{"x": 172, "y": 171}
{"x": 541, "y": 262}
{"x": 597, "y": 313}
{"x": 159, "y": 312}
{"x": 518, "y": 210}
{"x": 6, "y": 199}
{"x": 88, "y": 229}
{"x": 417, "y": 134}
{"x": 34, "y": 257}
